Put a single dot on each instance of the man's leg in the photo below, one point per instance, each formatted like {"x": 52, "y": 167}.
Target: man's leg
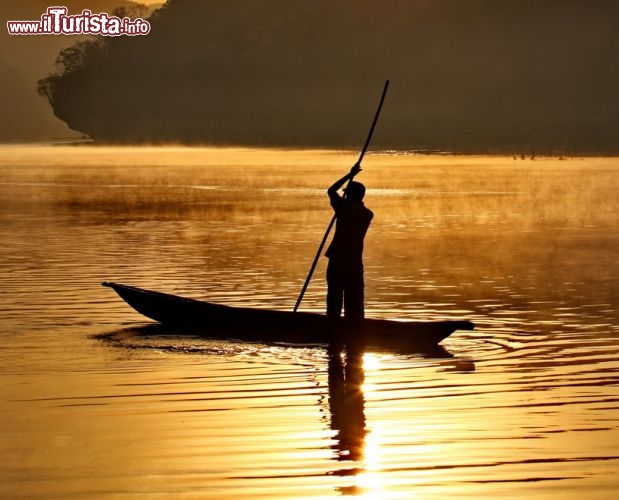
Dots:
{"x": 335, "y": 290}
{"x": 354, "y": 295}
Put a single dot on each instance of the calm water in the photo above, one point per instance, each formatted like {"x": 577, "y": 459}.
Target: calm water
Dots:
{"x": 91, "y": 407}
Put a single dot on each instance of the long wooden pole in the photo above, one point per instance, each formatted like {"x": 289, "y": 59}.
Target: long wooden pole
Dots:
{"x": 330, "y": 226}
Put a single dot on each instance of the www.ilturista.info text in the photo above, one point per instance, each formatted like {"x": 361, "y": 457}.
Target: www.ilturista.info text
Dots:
{"x": 56, "y": 21}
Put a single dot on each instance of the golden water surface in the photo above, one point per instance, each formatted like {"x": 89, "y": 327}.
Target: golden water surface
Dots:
{"x": 524, "y": 406}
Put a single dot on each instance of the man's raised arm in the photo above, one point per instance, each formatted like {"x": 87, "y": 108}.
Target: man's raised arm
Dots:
{"x": 332, "y": 191}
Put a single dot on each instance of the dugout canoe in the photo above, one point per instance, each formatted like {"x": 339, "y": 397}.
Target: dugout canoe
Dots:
{"x": 273, "y": 326}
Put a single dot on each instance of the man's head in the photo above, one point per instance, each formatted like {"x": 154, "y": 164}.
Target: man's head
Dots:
{"x": 355, "y": 191}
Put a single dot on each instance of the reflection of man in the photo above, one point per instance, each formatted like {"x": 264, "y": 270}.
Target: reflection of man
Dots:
{"x": 345, "y": 268}
{"x": 346, "y": 403}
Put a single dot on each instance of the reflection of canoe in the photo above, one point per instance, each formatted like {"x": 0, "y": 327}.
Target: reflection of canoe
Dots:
{"x": 263, "y": 325}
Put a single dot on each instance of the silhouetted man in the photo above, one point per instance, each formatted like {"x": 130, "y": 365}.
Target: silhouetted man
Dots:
{"x": 345, "y": 268}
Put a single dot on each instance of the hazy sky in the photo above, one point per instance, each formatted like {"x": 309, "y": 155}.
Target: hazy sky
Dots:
{"x": 24, "y": 115}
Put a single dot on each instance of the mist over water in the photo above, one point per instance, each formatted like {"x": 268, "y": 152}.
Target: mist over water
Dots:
{"x": 94, "y": 406}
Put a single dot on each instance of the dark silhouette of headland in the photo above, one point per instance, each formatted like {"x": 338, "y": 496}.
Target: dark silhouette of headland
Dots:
{"x": 474, "y": 76}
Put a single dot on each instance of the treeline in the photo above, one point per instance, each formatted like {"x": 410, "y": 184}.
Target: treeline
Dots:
{"x": 467, "y": 75}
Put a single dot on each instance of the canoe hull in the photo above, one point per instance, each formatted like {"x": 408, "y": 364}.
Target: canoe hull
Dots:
{"x": 262, "y": 325}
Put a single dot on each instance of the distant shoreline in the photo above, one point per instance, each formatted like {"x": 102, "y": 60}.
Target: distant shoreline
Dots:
{"x": 517, "y": 155}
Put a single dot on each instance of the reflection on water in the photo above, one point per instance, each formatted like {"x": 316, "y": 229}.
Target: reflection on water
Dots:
{"x": 346, "y": 404}
{"x": 91, "y": 407}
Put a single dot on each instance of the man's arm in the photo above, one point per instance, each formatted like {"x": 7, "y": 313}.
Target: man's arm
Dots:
{"x": 332, "y": 191}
